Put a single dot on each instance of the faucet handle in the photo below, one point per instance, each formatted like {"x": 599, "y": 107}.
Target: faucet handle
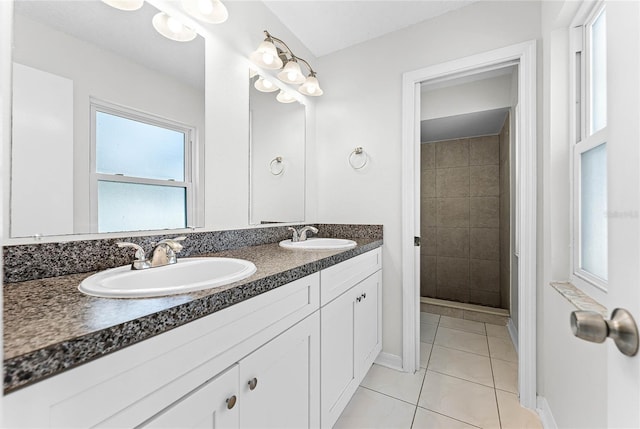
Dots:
{"x": 295, "y": 234}
{"x": 140, "y": 255}
{"x": 173, "y": 243}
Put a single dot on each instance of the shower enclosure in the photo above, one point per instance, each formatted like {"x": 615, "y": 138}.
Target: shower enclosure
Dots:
{"x": 465, "y": 218}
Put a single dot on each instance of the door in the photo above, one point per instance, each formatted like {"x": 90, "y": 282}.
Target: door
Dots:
{"x": 366, "y": 328}
{"x": 211, "y": 406}
{"x": 337, "y": 355}
{"x": 623, "y": 187}
{"x": 279, "y": 382}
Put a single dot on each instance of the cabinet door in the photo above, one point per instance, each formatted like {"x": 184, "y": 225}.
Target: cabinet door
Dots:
{"x": 213, "y": 405}
{"x": 367, "y": 335}
{"x": 337, "y": 370}
{"x": 280, "y": 381}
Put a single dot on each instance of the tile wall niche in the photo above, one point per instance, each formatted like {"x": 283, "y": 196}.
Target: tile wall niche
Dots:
{"x": 461, "y": 220}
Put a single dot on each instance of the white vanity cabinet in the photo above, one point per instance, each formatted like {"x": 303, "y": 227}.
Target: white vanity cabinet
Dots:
{"x": 273, "y": 337}
{"x": 288, "y": 358}
{"x": 273, "y": 387}
{"x": 350, "y": 329}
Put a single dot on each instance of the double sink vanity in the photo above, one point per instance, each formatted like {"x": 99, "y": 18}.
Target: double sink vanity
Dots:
{"x": 284, "y": 345}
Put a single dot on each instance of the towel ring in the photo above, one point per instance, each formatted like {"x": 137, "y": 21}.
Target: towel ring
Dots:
{"x": 276, "y": 166}
{"x": 354, "y": 155}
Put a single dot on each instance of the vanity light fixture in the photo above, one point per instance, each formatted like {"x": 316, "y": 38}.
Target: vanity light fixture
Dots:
{"x": 291, "y": 73}
{"x": 211, "y": 11}
{"x": 272, "y": 56}
{"x": 264, "y": 85}
{"x": 125, "y": 4}
{"x": 284, "y": 97}
{"x": 172, "y": 28}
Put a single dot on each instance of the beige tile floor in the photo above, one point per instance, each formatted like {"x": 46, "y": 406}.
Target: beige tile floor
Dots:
{"x": 468, "y": 378}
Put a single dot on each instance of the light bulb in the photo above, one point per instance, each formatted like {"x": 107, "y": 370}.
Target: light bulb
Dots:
{"x": 311, "y": 89}
{"x": 292, "y": 75}
{"x": 205, "y": 6}
{"x": 267, "y": 58}
{"x": 174, "y": 25}
{"x": 267, "y": 84}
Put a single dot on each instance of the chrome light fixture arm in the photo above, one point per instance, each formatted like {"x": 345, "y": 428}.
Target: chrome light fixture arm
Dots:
{"x": 283, "y": 52}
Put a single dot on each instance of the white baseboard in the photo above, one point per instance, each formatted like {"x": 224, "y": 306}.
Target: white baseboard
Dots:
{"x": 546, "y": 416}
{"x": 389, "y": 360}
{"x": 513, "y": 333}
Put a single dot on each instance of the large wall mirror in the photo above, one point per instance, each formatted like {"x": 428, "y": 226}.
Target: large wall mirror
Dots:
{"x": 108, "y": 122}
{"x": 277, "y": 155}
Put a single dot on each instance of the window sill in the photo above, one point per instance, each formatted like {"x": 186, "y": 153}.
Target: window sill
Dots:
{"x": 578, "y": 298}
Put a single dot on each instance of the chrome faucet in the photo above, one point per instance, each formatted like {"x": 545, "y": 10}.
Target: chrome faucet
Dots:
{"x": 302, "y": 234}
{"x": 163, "y": 253}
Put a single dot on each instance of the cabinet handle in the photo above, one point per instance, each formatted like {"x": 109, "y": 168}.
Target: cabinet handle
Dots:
{"x": 364, "y": 295}
{"x": 359, "y": 298}
{"x": 231, "y": 402}
{"x": 253, "y": 383}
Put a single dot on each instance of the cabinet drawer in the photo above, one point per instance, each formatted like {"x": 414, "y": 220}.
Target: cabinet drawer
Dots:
{"x": 341, "y": 277}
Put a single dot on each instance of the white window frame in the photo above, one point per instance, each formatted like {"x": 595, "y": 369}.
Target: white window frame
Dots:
{"x": 580, "y": 139}
{"x": 190, "y": 158}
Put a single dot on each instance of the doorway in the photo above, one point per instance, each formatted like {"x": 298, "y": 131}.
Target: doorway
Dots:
{"x": 466, "y": 196}
{"x": 522, "y": 55}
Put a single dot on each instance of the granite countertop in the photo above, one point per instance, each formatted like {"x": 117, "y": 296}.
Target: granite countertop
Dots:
{"x": 49, "y": 326}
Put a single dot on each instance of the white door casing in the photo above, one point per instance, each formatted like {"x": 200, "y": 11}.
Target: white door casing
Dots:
{"x": 525, "y": 55}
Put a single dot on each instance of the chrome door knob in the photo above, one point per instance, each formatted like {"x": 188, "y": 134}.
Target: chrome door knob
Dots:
{"x": 622, "y": 329}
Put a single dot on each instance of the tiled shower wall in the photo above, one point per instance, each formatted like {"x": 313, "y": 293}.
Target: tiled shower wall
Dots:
{"x": 460, "y": 220}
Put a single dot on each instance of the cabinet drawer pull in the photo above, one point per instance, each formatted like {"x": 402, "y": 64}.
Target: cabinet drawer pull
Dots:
{"x": 364, "y": 295}
{"x": 253, "y": 383}
{"x": 231, "y": 402}
{"x": 359, "y": 298}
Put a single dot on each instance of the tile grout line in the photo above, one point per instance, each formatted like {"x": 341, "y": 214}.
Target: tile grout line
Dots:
{"x": 449, "y": 417}
{"x": 386, "y": 394}
{"x": 495, "y": 393}
{"x": 463, "y": 351}
{"x": 463, "y": 379}
{"x": 415, "y": 411}
{"x": 426, "y": 368}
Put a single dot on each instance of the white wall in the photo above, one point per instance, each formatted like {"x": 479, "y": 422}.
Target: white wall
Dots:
{"x": 42, "y": 138}
{"x": 470, "y": 97}
{"x": 571, "y": 372}
{"x": 104, "y": 75}
{"x": 361, "y": 107}
{"x": 277, "y": 130}
{"x": 5, "y": 131}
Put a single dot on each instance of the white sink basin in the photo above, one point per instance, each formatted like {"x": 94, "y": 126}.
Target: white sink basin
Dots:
{"x": 187, "y": 275}
{"x": 319, "y": 244}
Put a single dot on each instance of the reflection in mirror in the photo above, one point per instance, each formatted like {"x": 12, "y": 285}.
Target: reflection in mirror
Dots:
{"x": 277, "y": 156}
{"x": 108, "y": 120}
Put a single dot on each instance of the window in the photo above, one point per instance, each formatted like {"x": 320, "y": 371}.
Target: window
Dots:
{"x": 589, "y": 194}
{"x": 142, "y": 171}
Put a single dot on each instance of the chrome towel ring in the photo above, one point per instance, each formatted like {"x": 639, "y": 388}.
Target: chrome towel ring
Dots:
{"x": 358, "y": 153}
{"x": 276, "y": 166}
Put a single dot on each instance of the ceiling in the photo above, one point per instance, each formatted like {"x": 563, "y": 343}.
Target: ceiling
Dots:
{"x": 476, "y": 124}
{"x": 486, "y": 122}
{"x": 129, "y": 34}
{"x": 328, "y": 26}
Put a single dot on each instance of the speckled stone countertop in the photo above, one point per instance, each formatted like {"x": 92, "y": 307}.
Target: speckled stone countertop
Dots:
{"x": 49, "y": 326}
